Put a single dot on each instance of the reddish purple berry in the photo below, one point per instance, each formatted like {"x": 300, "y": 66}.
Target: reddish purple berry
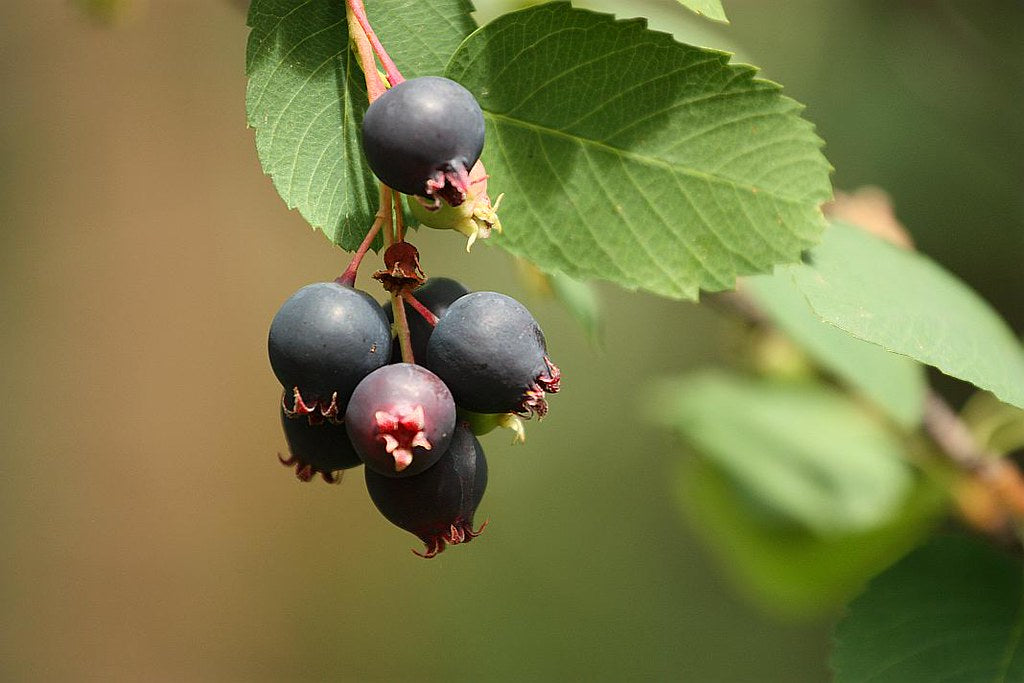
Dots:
{"x": 322, "y": 448}
{"x": 400, "y": 419}
{"x": 323, "y": 341}
{"x": 491, "y": 353}
{"x": 437, "y": 505}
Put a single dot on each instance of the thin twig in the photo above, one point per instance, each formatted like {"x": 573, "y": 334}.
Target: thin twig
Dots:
{"x": 954, "y": 439}
{"x": 956, "y": 442}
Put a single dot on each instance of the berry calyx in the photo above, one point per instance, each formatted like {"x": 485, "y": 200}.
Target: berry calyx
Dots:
{"x": 492, "y": 354}
{"x": 485, "y": 423}
{"x": 400, "y": 419}
{"x": 438, "y": 505}
{"x": 323, "y": 341}
{"x": 475, "y": 217}
{"x": 423, "y": 136}
{"x": 401, "y": 268}
{"x": 322, "y": 449}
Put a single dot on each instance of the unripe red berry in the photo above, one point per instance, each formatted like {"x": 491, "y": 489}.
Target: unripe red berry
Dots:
{"x": 400, "y": 419}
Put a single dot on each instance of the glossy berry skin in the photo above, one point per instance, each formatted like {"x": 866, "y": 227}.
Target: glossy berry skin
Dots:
{"x": 323, "y": 341}
{"x": 491, "y": 353}
{"x": 438, "y": 505}
{"x": 437, "y": 294}
{"x": 317, "y": 449}
{"x": 423, "y": 135}
{"x": 400, "y": 419}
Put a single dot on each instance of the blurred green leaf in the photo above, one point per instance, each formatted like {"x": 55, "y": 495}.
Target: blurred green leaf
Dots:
{"x": 950, "y": 611}
{"x": 306, "y": 98}
{"x": 581, "y": 300}
{"x": 629, "y": 157}
{"x": 894, "y": 383}
{"x": 712, "y": 9}
{"x": 804, "y": 453}
{"x": 786, "y": 568}
{"x": 105, "y": 11}
{"x": 906, "y": 303}
{"x": 996, "y": 426}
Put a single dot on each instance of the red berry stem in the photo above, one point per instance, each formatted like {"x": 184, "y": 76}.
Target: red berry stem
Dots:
{"x": 375, "y": 87}
{"x": 349, "y": 276}
{"x": 394, "y": 75}
{"x": 427, "y": 314}
{"x": 389, "y": 216}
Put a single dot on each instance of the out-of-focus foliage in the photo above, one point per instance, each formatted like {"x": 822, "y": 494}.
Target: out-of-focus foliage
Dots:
{"x": 789, "y": 569}
{"x": 895, "y": 383}
{"x": 803, "y": 454}
{"x": 580, "y": 299}
{"x": 997, "y": 426}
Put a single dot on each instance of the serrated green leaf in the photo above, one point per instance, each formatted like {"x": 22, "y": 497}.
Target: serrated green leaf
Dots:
{"x": 803, "y": 453}
{"x": 786, "y": 568}
{"x": 712, "y": 9}
{"x": 306, "y": 97}
{"x": 894, "y": 383}
{"x": 629, "y": 157}
{"x": 950, "y": 611}
{"x": 908, "y": 304}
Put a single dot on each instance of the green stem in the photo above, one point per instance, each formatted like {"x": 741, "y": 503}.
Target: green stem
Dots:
{"x": 402, "y": 325}
{"x": 399, "y": 218}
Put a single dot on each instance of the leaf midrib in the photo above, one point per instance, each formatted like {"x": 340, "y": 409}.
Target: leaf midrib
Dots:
{"x": 639, "y": 158}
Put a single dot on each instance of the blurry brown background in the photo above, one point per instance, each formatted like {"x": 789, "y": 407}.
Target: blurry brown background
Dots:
{"x": 148, "y": 532}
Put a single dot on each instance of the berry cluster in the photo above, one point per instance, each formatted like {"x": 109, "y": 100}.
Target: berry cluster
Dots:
{"x": 410, "y": 408}
{"x": 350, "y": 400}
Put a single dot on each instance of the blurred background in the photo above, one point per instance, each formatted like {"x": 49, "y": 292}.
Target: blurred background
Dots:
{"x": 148, "y": 532}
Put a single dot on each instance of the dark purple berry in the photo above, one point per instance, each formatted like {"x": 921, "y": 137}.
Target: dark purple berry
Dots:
{"x": 491, "y": 353}
{"x": 323, "y": 341}
{"x": 400, "y": 419}
{"x": 322, "y": 448}
{"x": 423, "y": 136}
{"x": 437, "y": 294}
{"x": 437, "y": 505}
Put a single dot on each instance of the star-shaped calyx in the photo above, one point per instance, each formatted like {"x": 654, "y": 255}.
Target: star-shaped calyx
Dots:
{"x": 402, "y": 430}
